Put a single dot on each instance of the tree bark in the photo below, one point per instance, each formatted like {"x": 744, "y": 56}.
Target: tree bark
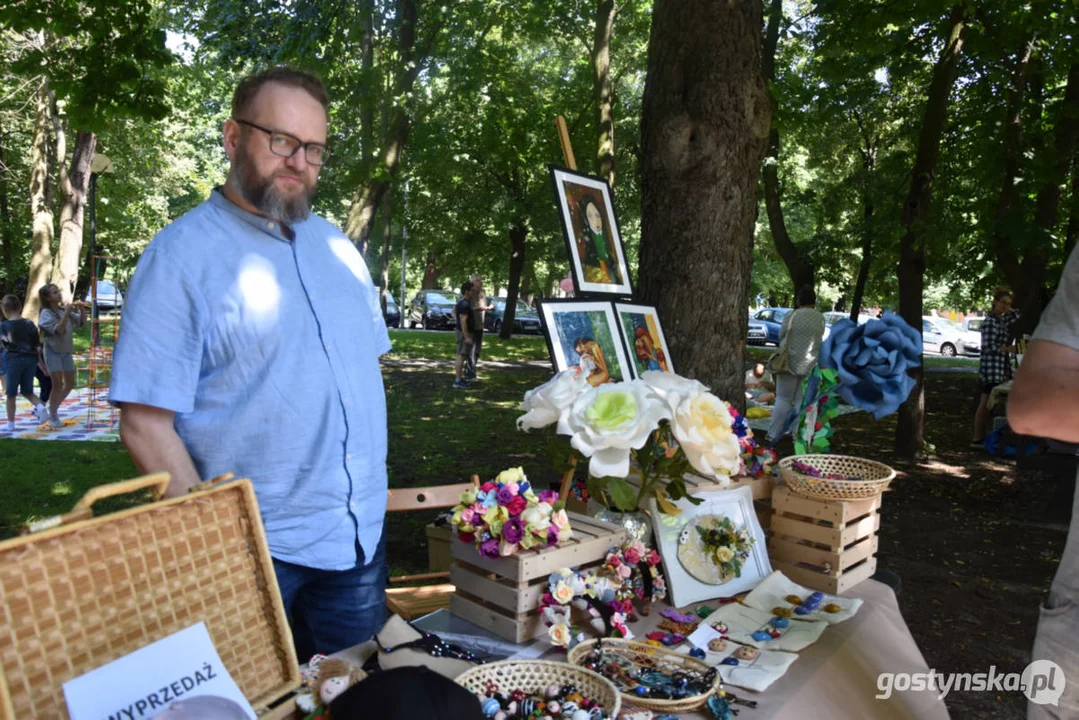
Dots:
{"x": 366, "y": 199}
{"x": 869, "y": 166}
{"x": 601, "y": 84}
{"x": 518, "y": 234}
{"x": 1003, "y": 238}
{"x": 384, "y": 261}
{"x": 432, "y": 270}
{"x": 73, "y": 187}
{"x": 910, "y": 426}
{"x": 704, "y": 126}
{"x": 798, "y": 263}
{"x": 7, "y": 237}
{"x": 1072, "y": 231}
{"x": 368, "y": 99}
{"x": 40, "y": 202}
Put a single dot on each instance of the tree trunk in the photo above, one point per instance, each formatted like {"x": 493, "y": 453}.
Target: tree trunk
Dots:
{"x": 910, "y": 426}
{"x": 1072, "y": 230}
{"x": 798, "y": 264}
{"x": 40, "y": 205}
{"x": 601, "y": 84}
{"x": 369, "y": 98}
{"x": 518, "y": 234}
{"x": 1003, "y": 238}
{"x": 1030, "y": 294}
{"x": 869, "y": 165}
{"x": 7, "y": 237}
{"x": 704, "y": 126}
{"x": 384, "y": 260}
{"x": 432, "y": 271}
{"x": 74, "y": 186}
{"x": 366, "y": 199}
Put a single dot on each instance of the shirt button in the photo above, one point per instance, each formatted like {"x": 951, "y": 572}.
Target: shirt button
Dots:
{"x": 269, "y": 225}
{"x": 348, "y": 456}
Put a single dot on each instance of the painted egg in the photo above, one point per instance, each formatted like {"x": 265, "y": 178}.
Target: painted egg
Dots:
{"x": 793, "y": 599}
{"x": 490, "y": 707}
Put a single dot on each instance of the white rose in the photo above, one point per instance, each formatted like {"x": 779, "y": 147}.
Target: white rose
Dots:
{"x": 725, "y": 554}
{"x": 702, "y": 425}
{"x": 537, "y": 517}
{"x": 559, "y": 634}
{"x": 606, "y": 422}
{"x": 545, "y": 404}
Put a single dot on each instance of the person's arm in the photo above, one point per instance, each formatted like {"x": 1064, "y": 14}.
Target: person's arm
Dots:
{"x": 149, "y": 435}
{"x": 1044, "y": 400}
{"x": 465, "y": 319}
{"x": 61, "y": 327}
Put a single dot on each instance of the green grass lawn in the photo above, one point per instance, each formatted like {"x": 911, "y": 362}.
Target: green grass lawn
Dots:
{"x": 431, "y": 345}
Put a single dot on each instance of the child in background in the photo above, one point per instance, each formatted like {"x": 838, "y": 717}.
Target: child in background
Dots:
{"x": 20, "y": 340}
{"x": 58, "y": 325}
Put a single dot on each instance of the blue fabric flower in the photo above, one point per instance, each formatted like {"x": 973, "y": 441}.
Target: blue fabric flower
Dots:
{"x": 872, "y": 360}
{"x": 488, "y": 498}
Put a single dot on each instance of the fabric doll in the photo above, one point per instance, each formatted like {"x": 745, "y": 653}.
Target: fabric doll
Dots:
{"x": 334, "y": 677}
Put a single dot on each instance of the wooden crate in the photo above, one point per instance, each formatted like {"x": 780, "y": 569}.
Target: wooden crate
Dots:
{"x": 826, "y": 545}
{"x": 503, "y": 594}
{"x": 438, "y": 547}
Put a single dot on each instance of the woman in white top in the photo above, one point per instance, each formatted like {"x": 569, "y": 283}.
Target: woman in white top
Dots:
{"x": 800, "y": 338}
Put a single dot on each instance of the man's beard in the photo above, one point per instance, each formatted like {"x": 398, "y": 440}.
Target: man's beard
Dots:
{"x": 265, "y": 196}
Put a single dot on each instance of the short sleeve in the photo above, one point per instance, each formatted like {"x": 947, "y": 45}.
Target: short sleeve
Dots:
{"x": 374, "y": 304}
{"x": 1060, "y": 321}
{"x": 47, "y": 321}
{"x": 159, "y": 352}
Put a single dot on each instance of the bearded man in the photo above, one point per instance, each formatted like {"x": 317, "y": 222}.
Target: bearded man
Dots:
{"x": 251, "y": 343}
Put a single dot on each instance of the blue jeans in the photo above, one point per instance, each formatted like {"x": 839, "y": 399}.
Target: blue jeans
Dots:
{"x": 330, "y": 610}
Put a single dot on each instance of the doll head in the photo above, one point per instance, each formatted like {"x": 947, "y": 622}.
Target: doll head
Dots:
{"x": 746, "y": 653}
{"x": 334, "y": 677}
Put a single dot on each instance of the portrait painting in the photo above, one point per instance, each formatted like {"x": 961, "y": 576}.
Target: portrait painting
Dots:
{"x": 643, "y": 337}
{"x": 583, "y": 335}
{"x": 593, "y": 240}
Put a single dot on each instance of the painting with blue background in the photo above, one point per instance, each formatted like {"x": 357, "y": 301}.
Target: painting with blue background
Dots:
{"x": 571, "y": 326}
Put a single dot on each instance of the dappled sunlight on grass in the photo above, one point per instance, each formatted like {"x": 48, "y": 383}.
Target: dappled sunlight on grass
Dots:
{"x": 61, "y": 488}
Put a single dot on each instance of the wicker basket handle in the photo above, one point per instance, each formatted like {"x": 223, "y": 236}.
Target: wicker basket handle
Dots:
{"x": 212, "y": 482}
{"x": 83, "y": 509}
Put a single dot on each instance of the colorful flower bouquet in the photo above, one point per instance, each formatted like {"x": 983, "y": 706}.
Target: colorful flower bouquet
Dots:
{"x": 505, "y": 514}
{"x": 663, "y": 424}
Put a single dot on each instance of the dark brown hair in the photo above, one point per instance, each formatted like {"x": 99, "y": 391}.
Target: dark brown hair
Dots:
{"x": 43, "y": 294}
{"x": 11, "y": 303}
{"x": 806, "y": 296}
{"x": 1001, "y": 292}
{"x": 250, "y": 86}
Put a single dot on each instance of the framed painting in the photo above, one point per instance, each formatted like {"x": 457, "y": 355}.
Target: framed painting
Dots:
{"x": 715, "y": 549}
{"x": 584, "y": 334}
{"x": 643, "y": 338}
{"x": 593, "y": 240}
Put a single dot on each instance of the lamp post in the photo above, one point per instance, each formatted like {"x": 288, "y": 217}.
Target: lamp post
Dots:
{"x": 404, "y": 258}
{"x": 98, "y": 165}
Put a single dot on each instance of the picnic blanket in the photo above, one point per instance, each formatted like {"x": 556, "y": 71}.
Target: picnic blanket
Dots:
{"x": 81, "y": 420}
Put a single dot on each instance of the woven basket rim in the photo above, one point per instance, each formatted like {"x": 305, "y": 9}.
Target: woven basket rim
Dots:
{"x": 836, "y": 489}
{"x": 679, "y": 705}
{"x": 564, "y": 667}
{"x": 787, "y": 462}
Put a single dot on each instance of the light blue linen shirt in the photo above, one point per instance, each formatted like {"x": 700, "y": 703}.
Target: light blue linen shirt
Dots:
{"x": 267, "y": 350}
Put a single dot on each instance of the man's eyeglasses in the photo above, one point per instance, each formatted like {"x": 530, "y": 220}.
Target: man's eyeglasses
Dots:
{"x": 285, "y": 145}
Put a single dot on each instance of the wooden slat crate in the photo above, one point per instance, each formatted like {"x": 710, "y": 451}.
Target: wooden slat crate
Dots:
{"x": 826, "y": 545}
{"x": 503, "y": 594}
{"x": 438, "y": 547}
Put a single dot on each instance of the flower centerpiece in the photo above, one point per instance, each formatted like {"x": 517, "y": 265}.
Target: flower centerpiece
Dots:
{"x": 636, "y": 568}
{"x": 594, "y": 595}
{"x": 505, "y": 514}
{"x": 663, "y": 425}
{"x": 727, "y": 545}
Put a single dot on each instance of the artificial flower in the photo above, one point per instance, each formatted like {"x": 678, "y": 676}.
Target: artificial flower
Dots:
{"x": 537, "y": 517}
{"x": 468, "y": 497}
{"x": 724, "y": 554}
{"x": 559, "y": 634}
{"x": 545, "y": 405}
{"x": 606, "y": 422}
{"x": 561, "y": 521}
{"x": 517, "y": 505}
{"x": 702, "y": 425}
{"x": 505, "y": 494}
{"x": 562, "y": 593}
{"x": 506, "y": 548}
{"x": 489, "y": 548}
{"x": 513, "y": 530}
{"x": 488, "y": 498}
{"x": 552, "y": 536}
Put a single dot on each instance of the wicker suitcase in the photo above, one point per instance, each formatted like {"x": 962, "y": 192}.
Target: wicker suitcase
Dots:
{"x": 82, "y": 592}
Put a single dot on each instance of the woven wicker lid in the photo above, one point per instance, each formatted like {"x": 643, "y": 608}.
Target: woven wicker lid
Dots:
{"x": 77, "y": 597}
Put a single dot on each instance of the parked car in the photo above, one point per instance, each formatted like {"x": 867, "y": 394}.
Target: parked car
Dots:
{"x": 940, "y": 335}
{"x": 772, "y": 319}
{"x": 525, "y": 319}
{"x": 432, "y": 310}
{"x": 972, "y": 335}
{"x": 756, "y": 333}
{"x": 108, "y": 296}
{"x": 392, "y": 314}
{"x": 832, "y": 317}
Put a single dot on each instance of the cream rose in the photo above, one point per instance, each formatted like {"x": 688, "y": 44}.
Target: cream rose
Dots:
{"x": 537, "y": 517}
{"x": 724, "y": 554}
{"x": 702, "y": 427}
{"x": 561, "y": 521}
{"x": 606, "y": 422}
{"x": 559, "y": 634}
{"x": 563, "y": 592}
{"x": 544, "y": 405}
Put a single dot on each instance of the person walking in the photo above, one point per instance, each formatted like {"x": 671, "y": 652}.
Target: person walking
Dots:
{"x": 1044, "y": 402}
{"x": 19, "y": 339}
{"x": 480, "y": 306}
{"x": 463, "y": 318}
{"x": 251, "y": 343}
{"x": 58, "y": 324}
{"x": 799, "y": 344}
{"x": 994, "y": 364}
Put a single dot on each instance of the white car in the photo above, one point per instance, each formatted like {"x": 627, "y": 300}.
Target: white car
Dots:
{"x": 972, "y": 335}
{"x": 941, "y": 335}
{"x": 831, "y": 318}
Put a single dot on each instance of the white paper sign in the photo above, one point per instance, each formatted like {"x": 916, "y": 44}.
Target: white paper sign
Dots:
{"x": 181, "y": 674}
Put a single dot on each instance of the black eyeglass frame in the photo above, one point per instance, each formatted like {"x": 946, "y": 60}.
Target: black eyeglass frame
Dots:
{"x": 299, "y": 143}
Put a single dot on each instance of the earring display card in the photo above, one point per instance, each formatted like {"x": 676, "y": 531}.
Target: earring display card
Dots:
{"x": 761, "y": 629}
{"x": 777, "y": 590}
{"x": 740, "y": 665}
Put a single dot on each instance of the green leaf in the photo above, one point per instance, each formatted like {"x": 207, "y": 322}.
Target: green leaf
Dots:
{"x": 623, "y": 495}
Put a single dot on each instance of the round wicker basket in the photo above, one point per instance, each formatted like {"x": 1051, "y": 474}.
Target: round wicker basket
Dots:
{"x": 861, "y": 478}
{"x": 656, "y": 658}
{"x": 534, "y": 676}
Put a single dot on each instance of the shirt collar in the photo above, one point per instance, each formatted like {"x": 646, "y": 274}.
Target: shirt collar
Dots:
{"x": 272, "y": 228}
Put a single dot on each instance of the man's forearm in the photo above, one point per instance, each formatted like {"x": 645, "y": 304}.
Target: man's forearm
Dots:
{"x": 1044, "y": 400}
{"x": 155, "y": 447}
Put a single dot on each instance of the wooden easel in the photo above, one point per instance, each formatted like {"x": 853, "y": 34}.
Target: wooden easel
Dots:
{"x": 571, "y": 163}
